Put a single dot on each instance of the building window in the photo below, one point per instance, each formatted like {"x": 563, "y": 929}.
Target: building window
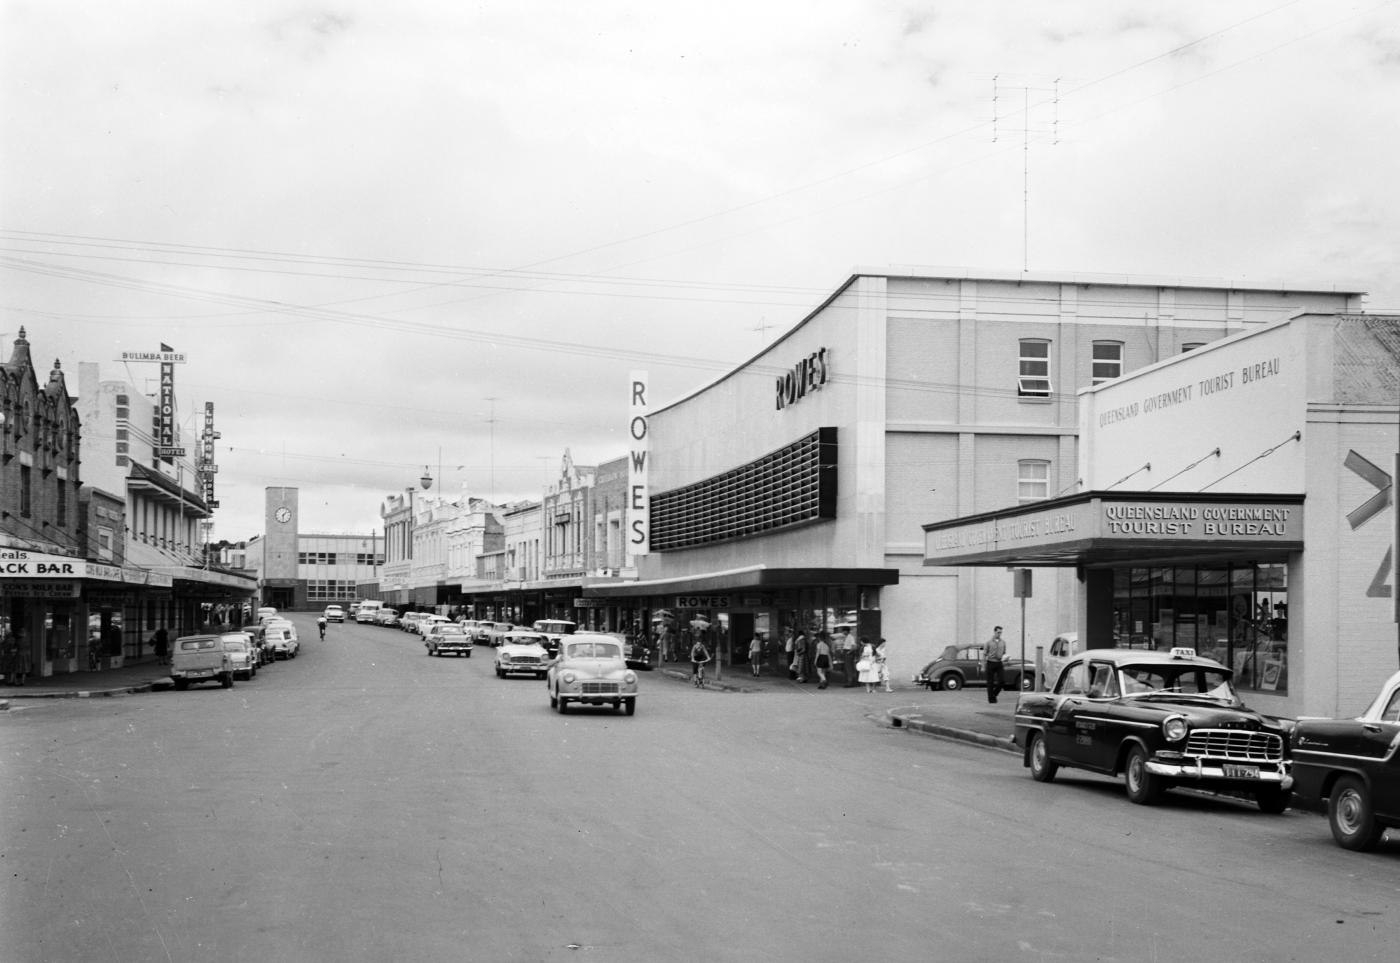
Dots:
{"x": 1032, "y": 480}
{"x": 26, "y": 490}
{"x": 1034, "y": 378}
{"x": 1108, "y": 360}
{"x": 61, "y": 510}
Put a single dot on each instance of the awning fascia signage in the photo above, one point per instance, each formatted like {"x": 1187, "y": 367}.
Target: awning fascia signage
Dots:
{"x": 18, "y": 563}
{"x": 750, "y": 579}
{"x": 1107, "y": 526}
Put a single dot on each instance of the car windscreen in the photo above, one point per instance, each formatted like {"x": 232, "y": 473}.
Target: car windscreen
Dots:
{"x": 1173, "y": 679}
{"x": 595, "y": 650}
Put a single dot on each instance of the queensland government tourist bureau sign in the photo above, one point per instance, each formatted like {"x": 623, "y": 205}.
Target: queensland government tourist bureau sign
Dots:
{"x": 1078, "y": 526}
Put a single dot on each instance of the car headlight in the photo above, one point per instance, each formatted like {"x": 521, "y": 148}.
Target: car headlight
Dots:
{"x": 1175, "y": 728}
{"x": 505, "y": 656}
{"x": 568, "y": 678}
{"x": 630, "y": 678}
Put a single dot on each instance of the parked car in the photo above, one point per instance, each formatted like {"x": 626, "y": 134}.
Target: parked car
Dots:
{"x": 470, "y": 626}
{"x": 387, "y": 616}
{"x": 242, "y": 656}
{"x": 200, "y": 658}
{"x": 1353, "y": 765}
{"x": 333, "y": 613}
{"x": 1062, "y": 648}
{"x": 265, "y": 613}
{"x": 257, "y": 637}
{"x": 961, "y": 665}
{"x": 281, "y": 642}
{"x": 447, "y": 638}
{"x": 1161, "y": 719}
{"x": 367, "y": 611}
{"x": 522, "y": 652}
{"x": 590, "y": 670}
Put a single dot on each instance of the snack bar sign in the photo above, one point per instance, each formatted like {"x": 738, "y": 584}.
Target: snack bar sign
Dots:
{"x": 18, "y": 563}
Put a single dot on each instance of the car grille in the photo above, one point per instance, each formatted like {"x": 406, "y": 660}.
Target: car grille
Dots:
{"x": 1235, "y": 744}
{"x": 526, "y": 659}
{"x": 600, "y": 688}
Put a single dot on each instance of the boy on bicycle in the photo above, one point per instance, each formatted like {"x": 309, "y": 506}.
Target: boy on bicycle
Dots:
{"x": 699, "y": 655}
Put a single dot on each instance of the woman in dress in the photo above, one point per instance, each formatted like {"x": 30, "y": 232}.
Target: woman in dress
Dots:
{"x": 823, "y": 661}
{"x": 866, "y": 666}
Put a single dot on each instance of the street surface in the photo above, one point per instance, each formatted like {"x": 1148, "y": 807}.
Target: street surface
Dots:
{"x": 366, "y": 802}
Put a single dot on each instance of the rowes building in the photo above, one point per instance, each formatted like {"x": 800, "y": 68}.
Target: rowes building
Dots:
{"x": 793, "y": 492}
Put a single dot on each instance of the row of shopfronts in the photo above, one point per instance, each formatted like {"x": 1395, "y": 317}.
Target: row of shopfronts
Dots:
{"x": 60, "y": 614}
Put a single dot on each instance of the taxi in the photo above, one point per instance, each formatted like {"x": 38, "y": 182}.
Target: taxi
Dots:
{"x": 1160, "y": 719}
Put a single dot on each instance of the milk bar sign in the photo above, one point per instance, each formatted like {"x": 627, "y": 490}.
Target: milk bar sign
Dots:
{"x": 18, "y": 563}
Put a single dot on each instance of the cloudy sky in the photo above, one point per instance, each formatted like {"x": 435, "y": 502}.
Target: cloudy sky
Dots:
{"x": 439, "y": 233}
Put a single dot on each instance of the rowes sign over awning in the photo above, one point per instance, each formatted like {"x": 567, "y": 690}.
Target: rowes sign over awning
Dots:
{"x": 1106, "y": 527}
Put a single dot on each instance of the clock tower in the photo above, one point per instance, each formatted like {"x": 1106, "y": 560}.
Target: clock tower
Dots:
{"x": 280, "y": 540}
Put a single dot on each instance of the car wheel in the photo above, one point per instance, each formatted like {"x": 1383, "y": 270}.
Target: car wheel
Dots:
{"x": 1273, "y": 799}
{"x": 1144, "y": 788}
{"x": 951, "y": 682}
{"x": 1027, "y": 683}
{"x": 629, "y": 706}
{"x": 499, "y": 673}
{"x": 182, "y": 684}
{"x": 227, "y": 680}
{"x": 1349, "y": 814}
{"x": 563, "y": 706}
{"x": 553, "y": 700}
{"x": 1043, "y": 768}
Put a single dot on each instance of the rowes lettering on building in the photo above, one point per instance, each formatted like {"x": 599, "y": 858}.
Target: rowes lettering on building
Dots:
{"x": 809, "y": 374}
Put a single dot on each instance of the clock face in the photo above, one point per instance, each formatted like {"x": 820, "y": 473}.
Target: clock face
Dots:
{"x": 284, "y": 514}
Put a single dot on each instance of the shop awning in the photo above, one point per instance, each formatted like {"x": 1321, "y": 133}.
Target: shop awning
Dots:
{"x": 1123, "y": 528}
{"x": 751, "y": 577}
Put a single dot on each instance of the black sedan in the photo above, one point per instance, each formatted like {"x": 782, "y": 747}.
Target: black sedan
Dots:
{"x": 961, "y": 665}
{"x": 1161, "y": 719}
{"x": 1353, "y": 764}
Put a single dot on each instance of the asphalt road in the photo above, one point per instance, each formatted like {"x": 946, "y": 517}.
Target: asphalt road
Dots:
{"x": 366, "y": 802}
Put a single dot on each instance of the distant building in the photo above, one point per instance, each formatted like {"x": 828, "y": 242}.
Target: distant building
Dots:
{"x": 299, "y": 571}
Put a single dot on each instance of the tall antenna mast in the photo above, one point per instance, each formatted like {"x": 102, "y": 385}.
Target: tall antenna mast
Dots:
{"x": 1026, "y": 128}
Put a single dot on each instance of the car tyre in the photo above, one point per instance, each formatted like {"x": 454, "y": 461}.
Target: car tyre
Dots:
{"x": 226, "y": 680}
{"x": 182, "y": 684}
{"x": 499, "y": 673}
{"x": 1273, "y": 800}
{"x": 1027, "y": 683}
{"x": 562, "y": 706}
{"x": 1350, "y": 815}
{"x": 629, "y": 707}
{"x": 1043, "y": 768}
{"x": 1144, "y": 788}
{"x": 951, "y": 682}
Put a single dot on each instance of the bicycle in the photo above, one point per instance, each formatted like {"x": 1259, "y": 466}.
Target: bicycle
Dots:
{"x": 322, "y": 626}
{"x": 697, "y": 678}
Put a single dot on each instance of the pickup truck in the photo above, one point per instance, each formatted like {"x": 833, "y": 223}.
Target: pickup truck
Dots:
{"x": 200, "y": 658}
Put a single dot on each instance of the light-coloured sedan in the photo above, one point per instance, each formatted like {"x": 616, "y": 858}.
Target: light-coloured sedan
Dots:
{"x": 446, "y": 638}
{"x": 241, "y": 654}
{"x": 522, "y": 652}
{"x": 592, "y": 670}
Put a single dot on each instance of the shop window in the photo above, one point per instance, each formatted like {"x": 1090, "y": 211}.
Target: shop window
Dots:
{"x": 1032, "y": 480}
{"x": 1107, "y": 360}
{"x": 1033, "y": 380}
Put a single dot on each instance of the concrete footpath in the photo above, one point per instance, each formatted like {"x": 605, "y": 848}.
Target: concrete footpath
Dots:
{"x": 964, "y": 715}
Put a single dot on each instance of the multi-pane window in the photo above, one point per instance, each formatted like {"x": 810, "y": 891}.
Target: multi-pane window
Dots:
{"x": 1032, "y": 480}
{"x": 1107, "y": 360}
{"x": 1034, "y": 376}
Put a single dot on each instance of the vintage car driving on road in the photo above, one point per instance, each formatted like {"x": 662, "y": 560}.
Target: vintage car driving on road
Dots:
{"x": 554, "y": 632}
{"x": 1354, "y": 764}
{"x": 447, "y": 638}
{"x": 1162, "y": 719}
{"x": 522, "y": 652}
{"x": 591, "y": 670}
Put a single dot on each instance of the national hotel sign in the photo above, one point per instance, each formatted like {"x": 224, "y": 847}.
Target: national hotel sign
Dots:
{"x": 1077, "y": 526}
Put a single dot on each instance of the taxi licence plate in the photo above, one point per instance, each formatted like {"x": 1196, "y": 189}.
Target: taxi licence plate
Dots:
{"x": 1241, "y": 772}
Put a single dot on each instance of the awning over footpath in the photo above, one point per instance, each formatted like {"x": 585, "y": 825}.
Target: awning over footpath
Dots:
{"x": 754, "y": 577}
{"x": 1122, "y": 528}
{"x": 178, "y": 567}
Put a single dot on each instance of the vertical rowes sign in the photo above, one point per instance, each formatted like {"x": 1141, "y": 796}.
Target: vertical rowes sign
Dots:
{"x": 639, "y": 445}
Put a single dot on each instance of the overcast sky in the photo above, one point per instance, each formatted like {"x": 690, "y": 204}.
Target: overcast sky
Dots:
{"x": 440, "y": 233}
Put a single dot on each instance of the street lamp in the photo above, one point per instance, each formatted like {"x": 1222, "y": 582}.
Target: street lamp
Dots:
{"x": 427, "y": 480}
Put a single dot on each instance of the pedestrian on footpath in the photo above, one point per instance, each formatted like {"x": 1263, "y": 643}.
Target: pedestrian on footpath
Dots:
{"x": 995, "y": 655}
{"x": 787, "y": 653}
{"x": 846, "y": 648}
{"x": 882, "y": 665}
{"x": 865, "y": 665}
{"x": 756, "y": 654}
{"x": 10, "y": 660}
{"x": 161, "y": 642}
{"x": 823, "y": 660}
{"x": 799, "y": 655}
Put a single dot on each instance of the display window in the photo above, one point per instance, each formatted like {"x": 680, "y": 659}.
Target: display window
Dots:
{"x": 1236, "y": 614}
